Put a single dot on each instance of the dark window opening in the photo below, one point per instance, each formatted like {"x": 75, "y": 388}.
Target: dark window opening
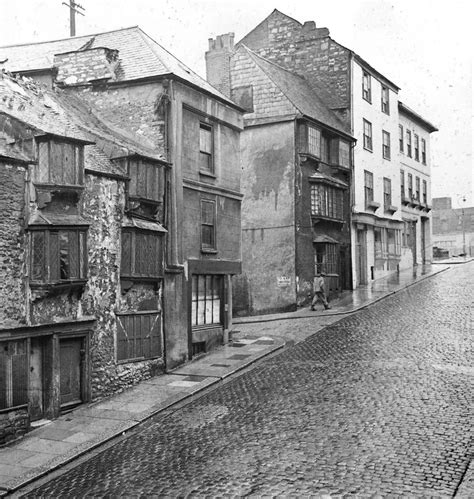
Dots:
{"x": 13, "y": 374}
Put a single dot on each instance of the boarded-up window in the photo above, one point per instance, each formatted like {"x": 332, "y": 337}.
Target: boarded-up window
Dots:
{"x": 60, "y": 163}
{"x": 208, "y": 225}
{"x": 206, "y": 299}
{"x": 139, "y": 336}
{"x": 146, "y": 180}
{"x": 142, "y": 254}
{"x": 58, "y": 255}
{"x": 13, "y": 374}
{"x": 206, "y": 162}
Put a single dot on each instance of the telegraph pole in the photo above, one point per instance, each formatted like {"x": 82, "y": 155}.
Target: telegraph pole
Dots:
{"x": 73, "y": 10}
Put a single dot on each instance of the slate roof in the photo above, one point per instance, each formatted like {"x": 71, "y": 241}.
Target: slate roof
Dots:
{"x": 299, "y": 93}
{"x": 140, "y": 56}
{"x": 64, "y": 114}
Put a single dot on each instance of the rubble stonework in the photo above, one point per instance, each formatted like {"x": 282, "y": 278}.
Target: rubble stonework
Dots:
{"x": 12, "y": 244}
{"x": 111, "y": 237}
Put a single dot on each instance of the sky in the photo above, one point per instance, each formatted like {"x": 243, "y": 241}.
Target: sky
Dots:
{"x": 425, "y": 47}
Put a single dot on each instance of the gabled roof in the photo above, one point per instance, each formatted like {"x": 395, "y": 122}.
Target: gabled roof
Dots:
{"x": 299, "y": 93}
{"x": 140, "y": 56}
{"x": 262, "y": 30}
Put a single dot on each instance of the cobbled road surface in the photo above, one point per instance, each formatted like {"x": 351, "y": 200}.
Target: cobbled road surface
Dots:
{"x": 378, "y": 404}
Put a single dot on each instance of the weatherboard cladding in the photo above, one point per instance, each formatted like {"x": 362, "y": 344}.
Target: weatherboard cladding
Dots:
{"x": 139, "y": 56}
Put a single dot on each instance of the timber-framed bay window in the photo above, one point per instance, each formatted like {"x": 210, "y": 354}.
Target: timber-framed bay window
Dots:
{"x": 58, "y": 255}
{"x": 327, "y": 201}
{"x": 206, "y": 299}
{"x": 142, "y": 254}
{"x": 13, "y": 374}
{"x": 60, "y": 162}
{"x": 146, "y": 187}
{"x": 322, "y": 145}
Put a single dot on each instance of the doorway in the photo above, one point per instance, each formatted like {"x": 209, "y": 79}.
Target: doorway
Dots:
{"x": 361, "y": 257}
{"x": 71, "y": 357}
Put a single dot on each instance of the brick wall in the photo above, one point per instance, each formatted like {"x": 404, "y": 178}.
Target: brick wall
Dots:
{"x": 12, "y": 245}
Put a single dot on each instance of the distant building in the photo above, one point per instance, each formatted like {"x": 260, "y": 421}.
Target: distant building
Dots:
{"x": 367, "y": 102}
{"x": 453, "y": 228}
{"x": 415, "y": 186}
{"x": 120, "y": 229}
{"x": 296, "y": 177}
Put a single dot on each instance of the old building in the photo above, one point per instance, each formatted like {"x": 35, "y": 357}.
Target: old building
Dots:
{"x": 415, "y": 186}
{"x": 453, "y": 227}
{"x": 123, "y": 228}
{"x": 367, "y": 102}
{"x": 296, "y": 175}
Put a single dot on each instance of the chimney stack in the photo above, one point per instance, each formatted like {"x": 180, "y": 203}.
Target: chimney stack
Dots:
{"x": 218, "y": 62}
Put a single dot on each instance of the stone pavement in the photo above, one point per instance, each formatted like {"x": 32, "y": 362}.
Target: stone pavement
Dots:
{"x": 53, "y": 445}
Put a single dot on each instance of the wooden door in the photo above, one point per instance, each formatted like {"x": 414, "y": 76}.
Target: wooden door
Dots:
{"x": 70, "y": 371}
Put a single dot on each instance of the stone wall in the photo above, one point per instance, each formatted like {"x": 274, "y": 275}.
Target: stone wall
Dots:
{"x": 13, "y": 425}
{"x": 86, "y": 65}
{"x": 12, "y": 245}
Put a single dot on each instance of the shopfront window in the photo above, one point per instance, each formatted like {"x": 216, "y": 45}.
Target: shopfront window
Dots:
{"x": 206, "y": 300}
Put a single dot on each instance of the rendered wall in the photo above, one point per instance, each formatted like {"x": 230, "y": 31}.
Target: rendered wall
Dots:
{"x": 268, "y": 275}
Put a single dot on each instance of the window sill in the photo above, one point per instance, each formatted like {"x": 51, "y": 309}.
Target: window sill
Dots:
{"x": 372, "y": 205}
{"x": 203, "y": 173}
{"x": 50, "y": 287}
{"x": 391, "y": 209}
{"x": 317, "y": 218}
{"x": 138, "y": 359}
{"x": 62, "y": 187}
{"x": 387, "y": 158}
{"x": 367, "y": 149}
{"x": 209, "y": 251}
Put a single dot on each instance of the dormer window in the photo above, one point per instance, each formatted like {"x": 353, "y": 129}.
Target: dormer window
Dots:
{"x": 60, "y": 162}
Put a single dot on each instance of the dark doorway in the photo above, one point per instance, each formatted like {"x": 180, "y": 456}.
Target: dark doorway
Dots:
{"x": 71, "y": 355}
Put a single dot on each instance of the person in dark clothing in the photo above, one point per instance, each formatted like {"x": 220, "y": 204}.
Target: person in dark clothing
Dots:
{"x": 319, "y": 290}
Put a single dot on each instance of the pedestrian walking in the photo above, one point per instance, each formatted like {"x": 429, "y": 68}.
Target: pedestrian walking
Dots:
{"x": 319, "y": 290}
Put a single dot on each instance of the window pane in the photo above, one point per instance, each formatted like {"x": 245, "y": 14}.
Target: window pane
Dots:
{"x": 126, "y": 264}
{"x": 344, "y": 153}
{"x": 194, "y": 300}
{"x": 216, "y": 300}
{"x": 201, "y": 304}
{"x": 205, "y": 139}
{"x": 314, "y": 141}
{"x": 64, "y": 255}
{"x": 38, "y": 256}
{"x": 43, "y": 162}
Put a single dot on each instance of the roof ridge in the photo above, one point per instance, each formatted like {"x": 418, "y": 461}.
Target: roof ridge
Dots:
{"x": 69, "y": 38}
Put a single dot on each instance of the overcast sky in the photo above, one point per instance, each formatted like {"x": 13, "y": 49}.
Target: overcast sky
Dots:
{"x": 425, "y": 47}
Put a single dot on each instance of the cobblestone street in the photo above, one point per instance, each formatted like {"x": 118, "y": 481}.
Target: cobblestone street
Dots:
{"x": 378, "y": 403}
